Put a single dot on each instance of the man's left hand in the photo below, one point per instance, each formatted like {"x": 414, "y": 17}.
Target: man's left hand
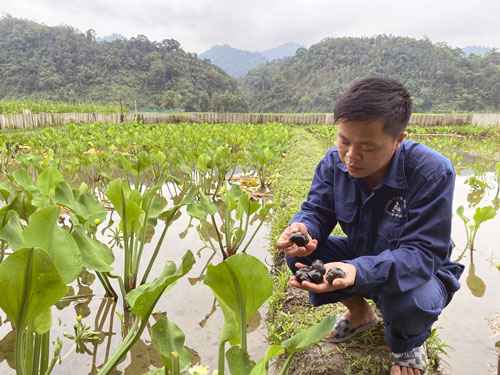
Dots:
{"x": 325, "y": 286}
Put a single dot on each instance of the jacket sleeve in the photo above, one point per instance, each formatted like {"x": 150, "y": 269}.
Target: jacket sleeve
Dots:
{"x": 318, "y": 211}
{"x": 424, "y": 243}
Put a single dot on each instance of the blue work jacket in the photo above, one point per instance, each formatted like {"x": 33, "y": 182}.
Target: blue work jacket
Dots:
{"x": 400, "y": 232}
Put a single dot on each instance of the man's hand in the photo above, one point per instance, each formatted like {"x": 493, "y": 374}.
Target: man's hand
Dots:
{"x": 291, "y": 249}
{"x": 325, "y": 286}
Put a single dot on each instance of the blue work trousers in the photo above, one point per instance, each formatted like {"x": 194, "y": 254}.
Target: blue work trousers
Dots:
{"x": 408, "y": 316}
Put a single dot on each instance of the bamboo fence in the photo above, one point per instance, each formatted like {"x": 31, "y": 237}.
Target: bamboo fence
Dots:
{"x": 30, "y": 120}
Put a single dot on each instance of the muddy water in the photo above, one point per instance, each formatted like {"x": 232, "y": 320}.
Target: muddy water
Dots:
{"x": 189, "y": 304}
{"x": 464, "y": 323}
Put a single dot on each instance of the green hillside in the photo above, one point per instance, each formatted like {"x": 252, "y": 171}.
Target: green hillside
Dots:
{"x": 440, "y": 78}
{"x": 60, "y": 63}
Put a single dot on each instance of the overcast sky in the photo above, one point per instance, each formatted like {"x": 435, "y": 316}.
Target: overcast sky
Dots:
{"x": 257, "y": 25}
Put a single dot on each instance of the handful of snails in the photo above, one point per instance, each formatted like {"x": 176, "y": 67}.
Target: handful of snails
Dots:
{"x": 315, "y": 272}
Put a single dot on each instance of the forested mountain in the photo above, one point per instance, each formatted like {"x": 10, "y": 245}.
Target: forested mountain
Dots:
{"x": 233, "y": 61}
{"x": 284, "y": 50}
{"x": 237, "y": 62}
{"x": 62, "y": 63}
{"x": 440, "y": 78}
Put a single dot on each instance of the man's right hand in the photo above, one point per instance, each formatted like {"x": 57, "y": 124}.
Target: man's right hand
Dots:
{"x": 291, "y": 249}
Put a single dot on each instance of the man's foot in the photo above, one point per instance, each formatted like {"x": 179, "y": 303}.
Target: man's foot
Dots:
{"x": 351, "y": 324}
{"x": 409, "y": 363}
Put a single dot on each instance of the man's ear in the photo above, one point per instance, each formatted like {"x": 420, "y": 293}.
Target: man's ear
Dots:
{"x": 399, "y": 139}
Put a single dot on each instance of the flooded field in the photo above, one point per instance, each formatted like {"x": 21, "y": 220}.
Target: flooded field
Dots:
{"x": 465, "y": 323}
{"x": 190, "y": 304}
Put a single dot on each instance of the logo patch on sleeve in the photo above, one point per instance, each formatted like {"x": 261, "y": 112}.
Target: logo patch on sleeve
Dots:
{"x": 396, "y": 206}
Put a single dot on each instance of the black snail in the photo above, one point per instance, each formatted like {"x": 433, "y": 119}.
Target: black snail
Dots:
{"x": 299, "y": 239}
{"x": 314, "y": 273}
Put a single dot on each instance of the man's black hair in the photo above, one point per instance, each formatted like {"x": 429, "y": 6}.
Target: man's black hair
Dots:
{"x": 372, "y": 99}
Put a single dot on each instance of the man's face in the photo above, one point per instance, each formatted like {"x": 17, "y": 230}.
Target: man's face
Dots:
{"x": 366, "y": 149}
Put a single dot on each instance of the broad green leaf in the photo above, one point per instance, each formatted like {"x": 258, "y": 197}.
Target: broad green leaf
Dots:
{"x": 12, "y": 232}
{"x": 22, "y": 205}
{"x": 96, "y": 256}
{"x": 235, "y": 191}
{"x": 310, "y": 336}
{"x": 44, "y": 232}
{"x": 200, "y": 209}
{"x": 94, "y": 209}
{"x": 482, "y": 214}
{"x": 5, "y": 189}
{"x": 23, "y": 178}
{"x": 272, "y": 351}
{"x": 241, "y": 285}
{"x": 195, "y": 210}
{"x": 265, "y": 210}
{"x": 30, "y": 284}
{"x": 246, "y": 206}
{"x": 460, "y": 213}
{"x": 168, "y": 338}
{"x": 126, "y": 203}
{"x": 42, "y": 322}
{"x": 203, "y": 162}
{"x": 238, "y": 361}
{"x": 143, "y": 298}
{"x": 207, "y": 205}
{"x": 48, "y": 180}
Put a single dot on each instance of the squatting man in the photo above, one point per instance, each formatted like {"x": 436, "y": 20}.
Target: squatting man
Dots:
{"x": 393, "y": 200}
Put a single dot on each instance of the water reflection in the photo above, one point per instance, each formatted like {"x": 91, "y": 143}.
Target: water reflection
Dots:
{"x": 190, "y": 305}
{"x": 477, "y": 300}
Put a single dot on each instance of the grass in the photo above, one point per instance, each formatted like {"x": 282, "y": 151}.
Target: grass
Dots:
{"x": 289, "y": 309}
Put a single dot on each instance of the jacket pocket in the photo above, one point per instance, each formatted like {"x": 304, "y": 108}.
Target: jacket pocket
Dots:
{"x": 389, "y": 233}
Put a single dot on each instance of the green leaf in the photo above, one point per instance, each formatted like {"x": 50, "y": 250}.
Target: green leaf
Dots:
{"x": 42, "y": 322}
{"x": 265, "y": 210}
{"x": 202, "y": 208}
{"x": 12, "y": 231}
{"x": 143, "y": 298}
{"x": 30, "y": 284}
{"x": 44, "y": 232}
{"x": 272, "y": 351}
{"x": 23, "y": 178}
{"x": 460, "y": 213}
{"x": 167, "y": 338}
{"x": 482, "y": 214}
{"x": 239, "y": 362}
{"x": 310, "y": 336}
{"x": 22, "y": 205}
{"x": 48, "y": 180}
{"x": 241, "y": 285}
{"x": 96, "y": 256}
{"x": 126, "y": 203}
{"x": 246, "y": 206}
{"x": 6, "y": 190}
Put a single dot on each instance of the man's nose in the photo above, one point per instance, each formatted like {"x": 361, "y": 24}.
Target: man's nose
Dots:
{"x": 353, "y": 153}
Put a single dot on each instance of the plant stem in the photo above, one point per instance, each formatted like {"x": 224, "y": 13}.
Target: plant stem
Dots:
{"x": 36, "y": 356}
{"x": 287, "y": 364}
{"x": 110, "y": 292}
{"x": 44, "y": 359}
{"x": 222, "y": 358}
{"x": 157, "y": 249}
{"x": 19, "y": 351}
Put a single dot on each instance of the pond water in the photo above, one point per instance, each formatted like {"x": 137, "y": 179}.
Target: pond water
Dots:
{"x": 190, "y": 304}
{"x": 464, "y": 324}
